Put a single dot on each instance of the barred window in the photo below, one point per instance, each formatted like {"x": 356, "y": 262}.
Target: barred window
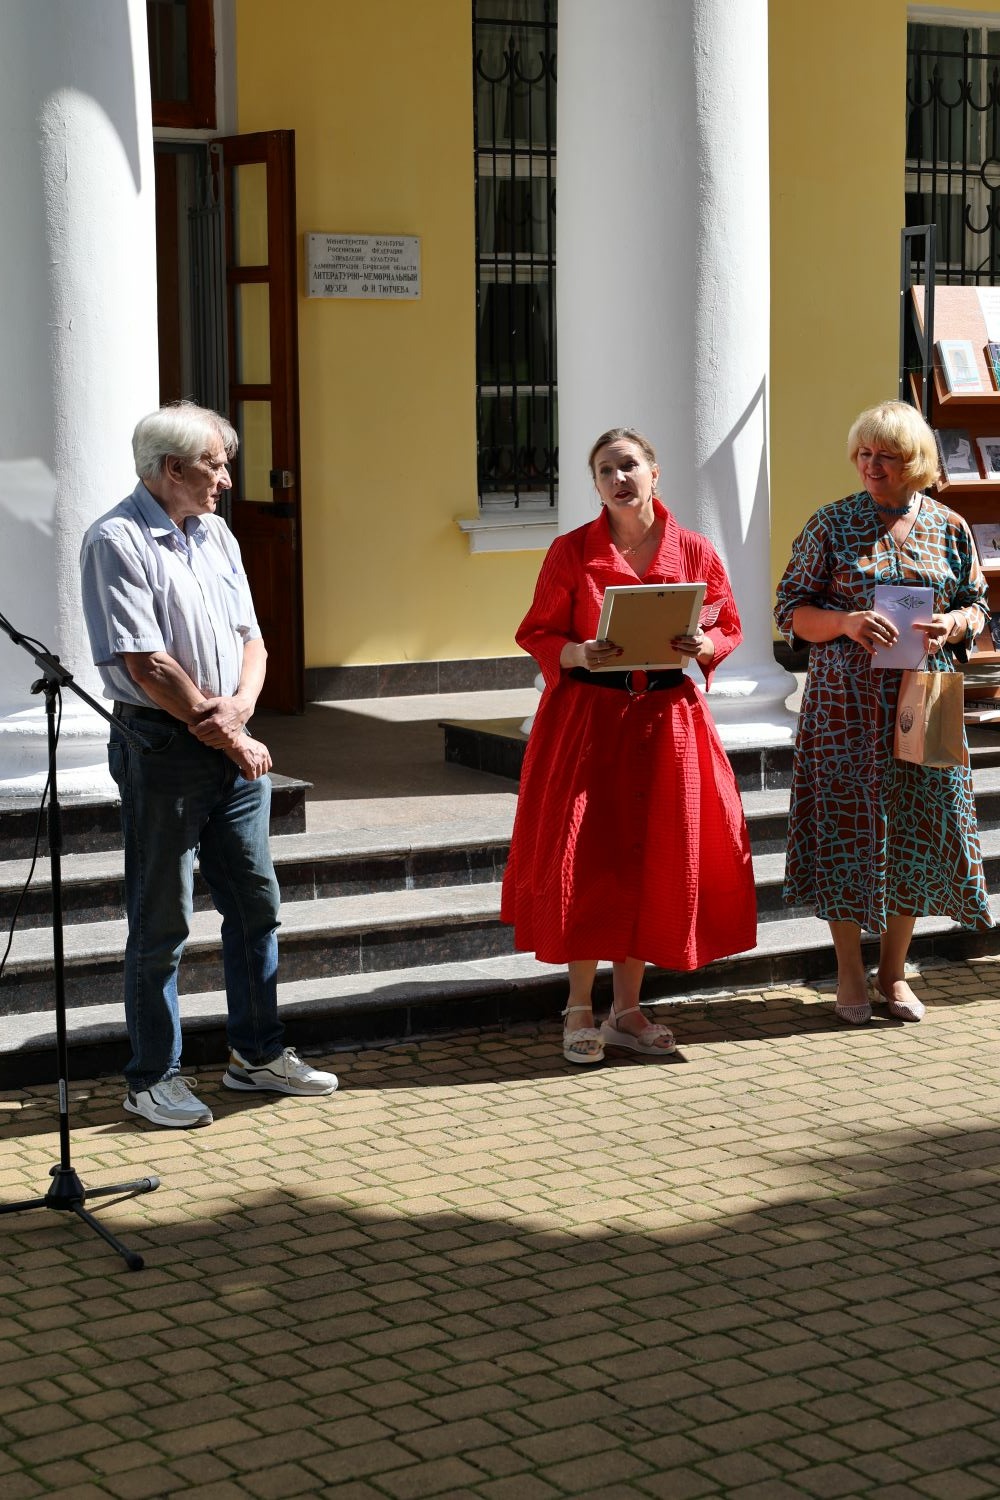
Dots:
{"x": 953, "y": 146}
{"x": 514, "y": 62}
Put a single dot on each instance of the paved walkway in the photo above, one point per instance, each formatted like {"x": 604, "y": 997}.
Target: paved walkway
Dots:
{"x": 767, "y": 1270}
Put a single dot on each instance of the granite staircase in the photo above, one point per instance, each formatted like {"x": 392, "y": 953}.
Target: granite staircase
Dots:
{"x": 387, "y": 933}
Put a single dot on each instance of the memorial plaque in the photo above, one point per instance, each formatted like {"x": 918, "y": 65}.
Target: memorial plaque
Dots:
{"x": 382, "y": 266}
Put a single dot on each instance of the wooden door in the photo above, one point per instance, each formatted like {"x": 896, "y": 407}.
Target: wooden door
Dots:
{"x": 258, "y": 193}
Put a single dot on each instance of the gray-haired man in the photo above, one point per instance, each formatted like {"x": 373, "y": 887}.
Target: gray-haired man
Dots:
{"x": 173, "y": 633}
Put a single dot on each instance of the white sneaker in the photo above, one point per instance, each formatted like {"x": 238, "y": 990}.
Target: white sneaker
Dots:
{"x": 286, "y": 1074}
{"x": 169, "y": 1102}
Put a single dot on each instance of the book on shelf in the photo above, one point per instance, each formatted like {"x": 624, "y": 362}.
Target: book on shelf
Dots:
{"x": 989, "y": 454}
{"x": 957, "y": 361}
{"x": 992, "y": 352}
{"x": 983, "y": 715}
{"x": 958, "y": 457}
{"x": 987, "y": 538}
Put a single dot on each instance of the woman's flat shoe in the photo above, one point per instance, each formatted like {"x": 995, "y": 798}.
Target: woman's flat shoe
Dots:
{"x": 854, "y": 1015}
{"x": 903, "y": 1010}
{"x": 585, "y": 1045}
{"x": 655, "y": 1041}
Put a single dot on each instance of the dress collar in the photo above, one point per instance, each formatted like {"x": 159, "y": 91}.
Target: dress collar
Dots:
{"x": 665, "y": 562}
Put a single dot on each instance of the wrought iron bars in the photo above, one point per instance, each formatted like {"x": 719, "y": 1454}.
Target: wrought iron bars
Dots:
{"x": 953, "y": 147}
{"x": 514, "y": 80}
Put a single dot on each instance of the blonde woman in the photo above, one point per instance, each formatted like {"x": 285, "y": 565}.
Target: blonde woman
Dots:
{"x": 874, "y": 842}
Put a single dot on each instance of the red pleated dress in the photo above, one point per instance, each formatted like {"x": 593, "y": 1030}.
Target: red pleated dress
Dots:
{"x": 629, "y": 839}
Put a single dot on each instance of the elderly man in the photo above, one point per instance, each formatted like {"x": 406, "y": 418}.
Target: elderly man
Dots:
{"x": 173, "y": 633}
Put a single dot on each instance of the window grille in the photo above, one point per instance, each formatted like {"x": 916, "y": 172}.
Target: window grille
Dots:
{"x": 514, "y": 63}
{"x": 953, "y": 147}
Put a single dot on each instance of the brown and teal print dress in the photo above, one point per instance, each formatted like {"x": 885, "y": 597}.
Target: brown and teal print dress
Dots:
{"x": 870, "y": 836}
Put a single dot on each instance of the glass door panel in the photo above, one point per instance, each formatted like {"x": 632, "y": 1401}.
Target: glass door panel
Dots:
{"x": 253, "y": 423}
{"x": 249, "y": 189}
{"x": 253, "y": 334}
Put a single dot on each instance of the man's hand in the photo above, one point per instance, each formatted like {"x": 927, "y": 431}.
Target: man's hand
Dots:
{"x": 252, "y": 756}
{"x": 219, "y": 721}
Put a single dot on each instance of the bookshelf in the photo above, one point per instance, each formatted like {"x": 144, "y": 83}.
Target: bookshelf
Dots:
{"x": 956, "y": 313}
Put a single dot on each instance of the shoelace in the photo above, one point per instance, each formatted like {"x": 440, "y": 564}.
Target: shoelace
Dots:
{"x": 177, "y": 1089}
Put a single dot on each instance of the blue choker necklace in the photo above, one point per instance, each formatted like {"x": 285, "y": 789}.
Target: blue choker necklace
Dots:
{"x": 894, "y": 510}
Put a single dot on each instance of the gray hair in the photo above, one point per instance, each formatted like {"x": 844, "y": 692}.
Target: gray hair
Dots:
{"x": 182, "y": 430}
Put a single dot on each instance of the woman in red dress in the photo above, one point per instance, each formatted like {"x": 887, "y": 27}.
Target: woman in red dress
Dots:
{"x": 629, "y": 842}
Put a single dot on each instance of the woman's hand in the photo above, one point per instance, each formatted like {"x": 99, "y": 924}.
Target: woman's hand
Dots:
{"x": 940, "y": 630}
{"x": 588, "y": 654}
{"x": 699, "y": 645}
{"x": 871, "y": 630}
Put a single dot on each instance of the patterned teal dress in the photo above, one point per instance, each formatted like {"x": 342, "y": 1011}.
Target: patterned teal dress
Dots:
{"x": 870, "y": 836}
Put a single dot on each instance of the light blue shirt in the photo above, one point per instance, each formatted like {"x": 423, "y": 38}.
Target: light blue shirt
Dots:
{"x": 150, "y": 586}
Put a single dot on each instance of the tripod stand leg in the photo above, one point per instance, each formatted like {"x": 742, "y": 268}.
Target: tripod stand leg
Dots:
{"x": 68, "y": 1194}
{"x": 132, "y": 1259}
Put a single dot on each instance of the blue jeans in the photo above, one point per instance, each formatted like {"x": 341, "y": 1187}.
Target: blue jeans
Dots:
{"x": 178, "y": 799}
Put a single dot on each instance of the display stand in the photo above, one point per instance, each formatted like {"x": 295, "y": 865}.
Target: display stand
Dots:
{"x": 930, "y": 315}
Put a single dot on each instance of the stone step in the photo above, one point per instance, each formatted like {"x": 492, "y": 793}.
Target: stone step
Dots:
{"x": 372, "y": 1005}
{"x": 92, "y": 823}
{"x": 498, "y": 745}
{"x": 325, "y": 865}
{"x": 324, "y": 936}
{"x": 386, "y": 931}
{"x": 309, "y": 866}
{"x": 337, "y": 936}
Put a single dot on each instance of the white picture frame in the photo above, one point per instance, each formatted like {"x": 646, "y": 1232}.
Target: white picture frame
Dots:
{"x": 644, "y": 618}
{"x": 958, "y": 365}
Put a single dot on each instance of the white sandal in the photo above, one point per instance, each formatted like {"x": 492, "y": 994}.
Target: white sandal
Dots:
{"x": 584, "y": 1045}
{"x": 656, "y": 1040}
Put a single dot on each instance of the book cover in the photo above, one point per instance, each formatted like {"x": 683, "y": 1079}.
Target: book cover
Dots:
{"x": 987, "y": 538}
{"x": 958, "y": 365}
{"x": 992, "y": 352}
{"x": 906, "y": 607}
{"x": 989, "y": 455}
{"x": 958, "y": 457}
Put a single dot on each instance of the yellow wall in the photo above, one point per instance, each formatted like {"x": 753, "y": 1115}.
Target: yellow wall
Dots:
{"x": 838, "y": 147}
{"x": 379, "y": 95}
{"x": 837, "y": 120}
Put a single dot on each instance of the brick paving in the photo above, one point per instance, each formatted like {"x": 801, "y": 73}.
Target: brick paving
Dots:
{"x": 766, "y": 1270}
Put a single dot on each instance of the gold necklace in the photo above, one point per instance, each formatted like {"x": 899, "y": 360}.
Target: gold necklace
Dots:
{"x": 627, "y": 551}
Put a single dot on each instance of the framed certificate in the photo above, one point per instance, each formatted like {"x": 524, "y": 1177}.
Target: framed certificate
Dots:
{"x": 644, "y": 618}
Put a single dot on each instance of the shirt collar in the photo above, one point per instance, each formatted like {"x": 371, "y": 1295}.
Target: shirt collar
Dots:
{"x": 159, "y": 523}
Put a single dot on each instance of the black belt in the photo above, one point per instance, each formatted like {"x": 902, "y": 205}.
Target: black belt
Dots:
{"x": 636, "y": 682}
{"x": 140, "y": 711}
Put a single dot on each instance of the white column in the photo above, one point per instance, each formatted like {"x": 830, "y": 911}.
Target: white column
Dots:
{"x": 78, "y": 310}
{"x": 663, "y": 289}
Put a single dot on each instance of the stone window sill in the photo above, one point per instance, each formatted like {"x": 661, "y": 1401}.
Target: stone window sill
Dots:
{"x": 510, "y": 531}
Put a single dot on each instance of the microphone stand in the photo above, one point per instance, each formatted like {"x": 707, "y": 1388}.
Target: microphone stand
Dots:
{"x": 67, "y": 1193}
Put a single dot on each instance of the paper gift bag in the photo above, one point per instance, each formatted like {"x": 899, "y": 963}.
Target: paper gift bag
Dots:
{"x": 930, "y": 719}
